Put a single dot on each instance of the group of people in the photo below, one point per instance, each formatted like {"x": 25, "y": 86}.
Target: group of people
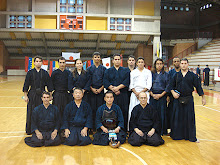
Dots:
{"x": 139, "y": 101}
{"x": 206, "y": 72}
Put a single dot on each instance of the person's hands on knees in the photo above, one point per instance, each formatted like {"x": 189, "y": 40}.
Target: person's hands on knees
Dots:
{"x": 139, "y": 132}
{"x": 39, "y": 134}
{"x": 54, "y": 134}
{"x": 104, "y": 129}
{"x": 84, "y": 131}
{"x": 67, "y": 133}
{"x": 151, "y": 132}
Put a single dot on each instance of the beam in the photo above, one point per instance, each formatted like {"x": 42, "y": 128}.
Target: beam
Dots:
{"x": 20, "y": 51}
{"x": 71, "y": 44}
{"x": 113, "y": 38}
{"x": 128, "y": 39}
{"x": 98, "y": 42}
{"x": 34, "y": 51}
{"x": 28, "y": 35}
{"x": 81, "y": 36}
{"x": 62, "y": 36}
{"x": 118, "y": 45}
{"x": 23, "y": 44}
{"x": 109, "y": 52}
{"x": 45, "y": 45}
{"x": 12, "y": 34}
{"x": 122, "y": 52}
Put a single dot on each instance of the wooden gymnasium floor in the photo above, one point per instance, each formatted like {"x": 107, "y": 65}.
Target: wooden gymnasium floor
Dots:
{"x": 13, "y": 150}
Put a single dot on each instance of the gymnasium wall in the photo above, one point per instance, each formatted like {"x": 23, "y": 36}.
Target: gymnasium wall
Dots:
{"x": 97, "y": 6}
{"x": 179, "y": 47}
{"x": 142, "y": 7}
{"x": 96, "y": 23}
{"x": 3, "y": 57}
{"x": 45, "y": 6}
{"x": 45, "y": 22}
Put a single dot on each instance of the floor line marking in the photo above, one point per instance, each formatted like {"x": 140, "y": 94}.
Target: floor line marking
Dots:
{"x": 210, "y": 140}
{"x": 10, "y": 96}
{"x": 208, "y": 119}
{"x": 142, "y": 161}
{"x": 14, "y": 132}
{"x": 14, "y": 136}
{"x": 208, "y": 108}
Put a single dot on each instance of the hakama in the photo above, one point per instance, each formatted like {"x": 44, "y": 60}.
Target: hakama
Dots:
{"x": 96, "y": 100}
{"x": 159, "y": 85}
{"x": 183, "y": 118}
{"x": 75, "y": 119}
{"x": 35, "y": 80}
{"x": 61, "y": 96}
{"x": 46, "y": 121}
{"x": 144, "y": 119}
{"x": 102, "y": 138}
{"x": 116, "y": 77}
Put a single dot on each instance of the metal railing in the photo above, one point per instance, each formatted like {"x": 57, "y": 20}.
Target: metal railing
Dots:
{"x": 188, "y": 35}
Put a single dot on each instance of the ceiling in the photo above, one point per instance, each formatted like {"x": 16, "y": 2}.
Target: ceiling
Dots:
{"x": 52, "y": 44}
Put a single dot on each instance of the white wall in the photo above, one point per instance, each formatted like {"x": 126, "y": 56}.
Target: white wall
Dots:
{"x": 2, "y": 21}
{"x": 121, "y": 7}
{"x": 19, "y": 5}
{"x": 146, "y": 25}
{"x": 97, "y": 6}
{"x": 45, "y": 5}
{"x": 202, "y": 42}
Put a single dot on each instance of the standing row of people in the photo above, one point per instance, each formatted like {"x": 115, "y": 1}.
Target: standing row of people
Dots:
{"x": 118, "y": 80}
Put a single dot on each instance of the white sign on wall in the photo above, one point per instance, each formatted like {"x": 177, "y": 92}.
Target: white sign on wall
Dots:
{"x": 217, "y": 74}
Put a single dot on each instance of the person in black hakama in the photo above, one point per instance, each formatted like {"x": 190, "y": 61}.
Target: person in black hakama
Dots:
{"x": 144, "y": 124}
{"x": 77, "y": 119}
{"x": 45, "y": 124}
{"x": 109, "y": 117}
{"x": 206, "y": 71}
{"x": 117, "y": 79}
{"x": 181, "y": 86}
{"x": 37, "y": 79}
{"x": 96, "y": 94}
{"x": 176, "y": 64}
{"x": 158, "y": 93}
{"x": 79, "y": 79}
{"x": 59, "y": 77}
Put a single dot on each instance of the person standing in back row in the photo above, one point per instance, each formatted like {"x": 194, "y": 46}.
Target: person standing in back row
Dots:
{"x": 36, "y": 79}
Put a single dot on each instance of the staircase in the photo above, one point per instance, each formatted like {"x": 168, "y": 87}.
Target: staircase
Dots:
{"x": 207, "y": 55}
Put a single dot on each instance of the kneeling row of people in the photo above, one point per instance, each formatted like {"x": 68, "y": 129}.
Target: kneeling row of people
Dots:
{"x": 77, "y": 119}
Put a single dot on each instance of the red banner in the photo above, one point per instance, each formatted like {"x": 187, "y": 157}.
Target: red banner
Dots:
{"x": 26, "y": 63}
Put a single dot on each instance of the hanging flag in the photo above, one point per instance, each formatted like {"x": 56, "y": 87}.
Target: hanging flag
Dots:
{"x": 121, "y": 60}
{"x": 89, "y": 63}
{"x": 106, "y": 62}
{"x": 30, "y": 60}
{"x": 70, "y": 55}
{"x": 160, "y": 50}
{"x": 53, "y": 66}
{"x": 158, "y": 47}
{"x": 84, "y": 65}
{"x": 26, "y": 63}
{"x": 32, "y": 64}
{"x": 45, "y": 65}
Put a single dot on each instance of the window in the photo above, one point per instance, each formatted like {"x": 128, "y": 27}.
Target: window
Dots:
{"x": 20, "y": 21}
{"x": 71, "y": 6}
{"x": 120, "y": 24}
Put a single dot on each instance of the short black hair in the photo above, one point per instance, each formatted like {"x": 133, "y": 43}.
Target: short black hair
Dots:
{"x": 77, "y": 88}
{"x": 45, "y": 93}
{"x": 131, "y": 56}
{"x": 207, "y": 65}
{"x": 140, "y": 58}
{"x": 198, "y": 65}
{"x": 38, "y": 57}
{"x": 61, "y": 58}
{"x": 109, "y": 92}
{"x": 184, "y": 59}
{"x": 116, "y": 55}
{"x": 96, "y": 53}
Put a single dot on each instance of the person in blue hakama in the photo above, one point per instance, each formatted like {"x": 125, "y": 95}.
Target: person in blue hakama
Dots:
{"x": 79, "y": 79}
{"x": 35, "y": 82}
{"x": 96, "y": 94}
{"x": 45, "y": 124}
{"x": 176, "y": 64}
{"x": 117, "y": 79}
{"x": 158, "y": 93}
{"x": 206, "y": 71}
{"x": 181, "y": 86}
{"x": 144, "y": 124}
{"x": 77, "y": 119}
{"x": 59, "y": 77}
{"x": 109, "y": 113}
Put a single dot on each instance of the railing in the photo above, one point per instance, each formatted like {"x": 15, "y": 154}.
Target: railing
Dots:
{"x": 188, "y": 35}
{"x": 182, "y": 54}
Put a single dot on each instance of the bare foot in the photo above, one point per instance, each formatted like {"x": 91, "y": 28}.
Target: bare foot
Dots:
{"x": 197, "y": 141}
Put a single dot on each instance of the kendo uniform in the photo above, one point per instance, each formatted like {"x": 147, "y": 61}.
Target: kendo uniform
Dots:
{"x": 75, "y": 119}
{"x": 61, "y": 96}
{"x": 206, "y": 80}
{"x": 37, "y": 81}
{"x": 96, "y": 100}
{"x": 116, "y": 77}
{"x": 111, "y": 119}
{"x": 170, "y": 104}
{"x": 46, "y": 121}
{"x": 144, "y": 119}
{"x": 183, "y": 118}
{"x": 79, "y": 81}
{"x": 160, "y": 83}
